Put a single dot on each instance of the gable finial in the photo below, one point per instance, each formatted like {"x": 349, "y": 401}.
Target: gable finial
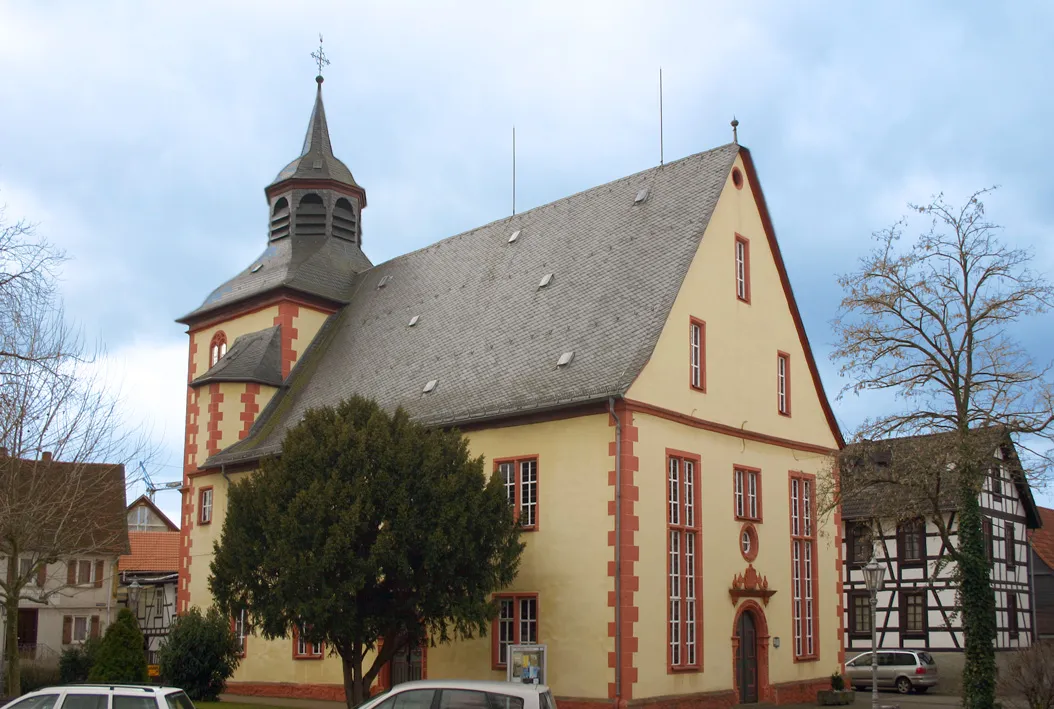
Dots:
{"x": 735, "y": 131}
{"x": 320, "y": 58}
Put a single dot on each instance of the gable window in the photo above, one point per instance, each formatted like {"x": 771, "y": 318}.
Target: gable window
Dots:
{"x": 516, "y": 624}
{"x": 911, "y": 542}
{"x": 520, "y": 478}
{"x": 747, "y": 486}
{"x": 305, "y": 650}
{"x": 860, "y": 546}
{"x": 859, "y": 613}
{"x": 205, "y": 506}
{"x": 697, "y": 354}
{"x": 1011, "y": 543}
{"x": 803, "y": 565}
{"x": 783, "y": 383}
{"x": 913, "y": 612}
{"x": 140, "y": 518}
{"x": 217, "y": 348}
{"x": 240, "y": 626}
{"x": 683, "y": 568}
{"x": 997, "y": 481}
{"x": 1011, "y": 616}
{"x": 742, "y": 268}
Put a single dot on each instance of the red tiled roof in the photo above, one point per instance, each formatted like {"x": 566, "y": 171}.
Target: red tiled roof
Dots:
{"x": 152, "y": 551}
{"x": 1043, "y": 538}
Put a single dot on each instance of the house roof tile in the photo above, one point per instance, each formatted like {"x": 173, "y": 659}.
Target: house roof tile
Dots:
{"x": 151, "y": 551}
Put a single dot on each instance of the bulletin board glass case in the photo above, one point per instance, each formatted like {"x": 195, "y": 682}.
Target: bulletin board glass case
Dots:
{"x": 528, "y": 664}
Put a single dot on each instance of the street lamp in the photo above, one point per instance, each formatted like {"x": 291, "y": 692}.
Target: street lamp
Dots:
{"x": 874, "y": 577}
{"x": 134, "y": 589}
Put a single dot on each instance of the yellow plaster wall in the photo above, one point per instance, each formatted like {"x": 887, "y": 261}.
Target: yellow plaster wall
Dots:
{"x": 233, "y": 329}
{"x": 307, "y": 324}
{"x": 741, "y": 339}
{"x": 231, "y": 407}
{"x": 721, "y": 558}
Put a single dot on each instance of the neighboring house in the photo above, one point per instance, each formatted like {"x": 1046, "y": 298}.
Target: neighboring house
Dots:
{"x": 152, "y": 566}
{"x": 1042, "y": 543}
{"x": 642, "y": 334}
{"x": 77, "y": 594}
{"x": 917, "y": 607}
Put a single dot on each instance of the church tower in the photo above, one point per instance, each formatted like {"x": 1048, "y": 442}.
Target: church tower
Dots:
{"x": 249, "y": 333}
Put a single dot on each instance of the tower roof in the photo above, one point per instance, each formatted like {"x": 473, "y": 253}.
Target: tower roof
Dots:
{"x": 316, "y": 160}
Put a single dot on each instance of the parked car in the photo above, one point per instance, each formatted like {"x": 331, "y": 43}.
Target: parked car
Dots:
{"x": 903, "y": 670}
{"x": 103, "y": 696}
{"x": 466, "y": 694}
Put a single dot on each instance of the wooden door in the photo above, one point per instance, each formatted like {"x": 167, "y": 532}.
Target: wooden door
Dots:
{"x": 747, "y": 658}
{"x": 27, "y": 629}
{"x": 406, "y": 666}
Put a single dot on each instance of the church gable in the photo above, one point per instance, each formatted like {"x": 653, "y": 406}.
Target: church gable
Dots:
{"x": 733, "y": 351}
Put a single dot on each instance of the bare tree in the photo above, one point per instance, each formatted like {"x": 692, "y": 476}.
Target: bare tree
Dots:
{"x": 1030, "y": 674}
{"x": 931, "y": 321}
{"x": 62, "y": 441}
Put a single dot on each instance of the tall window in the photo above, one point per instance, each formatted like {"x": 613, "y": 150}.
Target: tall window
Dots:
{"x": 683, "y": 567}
{"x": 913, "y": 612}
{"x": 1011, "y": 615}
{"x": 997, "y": 480}
{"x": 742, "y": 268}
{"x": 205, "y": 506}
{"x": 217, "y": 348}
{"x": 241, "y": 630}
{"x": 304, "y": 649}
{"x": 860, "y": 545}
{"x": 747, "y": 487}
{"x": 859, "y": 613}
{"x": 783, "y": 403}
{"x": 520, "y": 478}
{"x": 911, "y": 542}
{"x": 987, "y": 533}
{"x": 1011, "y": 546}
{"x": 803, "y": 565}
{"x": 697, "y": 354}
{"x": 516, "y": 624}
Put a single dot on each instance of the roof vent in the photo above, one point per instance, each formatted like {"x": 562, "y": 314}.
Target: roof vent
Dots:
{"x": 546, "y": 280}
{"x": 384, "y": 281}
{"x": 317, "y": 164}
{"x": 256, "y": 268}
{"x": 430, "y": 386}
{"x": 641, "y": 196}
{"x": 565, "y": 359}
{"x": 515, "y": 236}
{"x": 413, "y": 321}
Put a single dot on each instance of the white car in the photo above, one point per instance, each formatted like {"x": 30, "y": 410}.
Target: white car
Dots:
{"x": 463, "y": 694}
{"x": 103, "y": 696}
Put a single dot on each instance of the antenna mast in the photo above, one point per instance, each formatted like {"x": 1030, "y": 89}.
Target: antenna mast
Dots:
{"x": 661, "y": 154}
{"x": 514, "y": 170}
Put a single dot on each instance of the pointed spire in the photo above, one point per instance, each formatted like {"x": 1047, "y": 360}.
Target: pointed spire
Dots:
{"x": 317, "y": 130}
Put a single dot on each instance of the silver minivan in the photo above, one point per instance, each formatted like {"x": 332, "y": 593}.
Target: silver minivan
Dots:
{"x": 903, "y": 670}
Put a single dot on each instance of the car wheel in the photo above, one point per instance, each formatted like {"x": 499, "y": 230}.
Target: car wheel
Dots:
{"x": 904, "y": 685}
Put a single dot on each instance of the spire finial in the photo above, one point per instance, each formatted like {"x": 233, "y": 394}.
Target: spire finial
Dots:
{"x": 735, "y": 131}
{"x": 320, "y": 58}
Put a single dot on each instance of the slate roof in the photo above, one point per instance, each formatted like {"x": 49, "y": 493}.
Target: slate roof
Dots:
{"x": 487, "y": 333}
{"x": 316, "y": 160}
{"x": 255, "y": 357}
{"x": 1043, "y": 537}
{"x": 151, "y": 551}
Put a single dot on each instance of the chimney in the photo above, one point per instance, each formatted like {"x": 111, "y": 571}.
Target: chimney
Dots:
{"x": 45, "y": 457}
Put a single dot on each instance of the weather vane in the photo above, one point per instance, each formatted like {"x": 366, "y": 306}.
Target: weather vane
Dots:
{"x": 320, "y": 57}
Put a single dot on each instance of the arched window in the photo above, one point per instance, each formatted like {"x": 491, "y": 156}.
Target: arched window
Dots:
{"x": 217, "y": 348}
{"x": 311, "y": 216}
{"x": 344, "y": 220}
{"x": 280, "y": 219}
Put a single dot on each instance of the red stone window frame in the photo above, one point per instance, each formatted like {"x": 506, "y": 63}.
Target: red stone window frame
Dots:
{"x": 748, "y": 542}
{"x": 217, "y": 347}
{"x": 783, "y": 383}
{"x": 303, "y": 650}
{"x": 746, "y": 493}
{"x": 741, "y": 261}
{"x": 241, "y": 630}
{"x": 205, "y": 511}
{"x": 737, "y": 178}
{"x": 519, "y": 476}
{"x": 684, "y": 617}
{"x": 804, "y": 587}
{"x": 697, "y": 354}
{"x": 514, "y": 625}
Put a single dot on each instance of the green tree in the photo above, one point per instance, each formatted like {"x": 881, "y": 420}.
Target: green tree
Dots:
{"x": 369, "y": 533}
{"x": 931, "y": 321}
{"x": 121, "y": 656}
{"x": 200, "y": 653}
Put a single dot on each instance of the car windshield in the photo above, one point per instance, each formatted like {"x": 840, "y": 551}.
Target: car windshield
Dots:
{"x": 179, "y": 700}
{"x": 927, "y": 658}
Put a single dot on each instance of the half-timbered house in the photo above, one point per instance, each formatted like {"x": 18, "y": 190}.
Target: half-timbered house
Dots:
{"x": 1041, "y": 543}
{"x": 917, "y": 606}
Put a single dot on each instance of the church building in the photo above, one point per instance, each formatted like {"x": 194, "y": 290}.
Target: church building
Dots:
{"x": 629, "y": 359}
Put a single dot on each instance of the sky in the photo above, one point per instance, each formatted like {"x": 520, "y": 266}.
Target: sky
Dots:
{"x": 139, "y": 136}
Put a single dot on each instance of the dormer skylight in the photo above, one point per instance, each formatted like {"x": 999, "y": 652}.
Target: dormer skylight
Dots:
{"x": 565, "y": 359}
{"x": 430, "y": 386}
{"x": 413, "y": 321}
{"x": 642, "y": 195}
{"x": 546, "y": 280}
{"x": 256, "y": 268}
{"x": 384, "y": 281}
{"x": 515, "y": 236}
